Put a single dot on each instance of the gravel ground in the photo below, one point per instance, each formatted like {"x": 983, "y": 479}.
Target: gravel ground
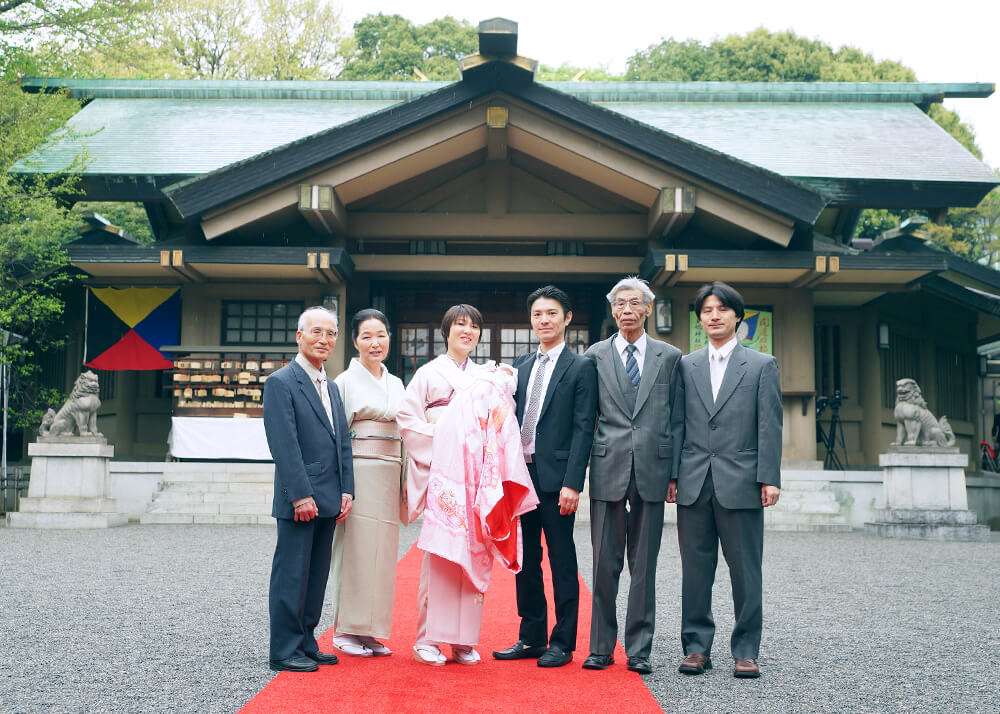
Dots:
{"x": 160, "y": 618}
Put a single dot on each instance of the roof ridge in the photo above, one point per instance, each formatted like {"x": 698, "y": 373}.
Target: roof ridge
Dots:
{"x": 616, "y": 91}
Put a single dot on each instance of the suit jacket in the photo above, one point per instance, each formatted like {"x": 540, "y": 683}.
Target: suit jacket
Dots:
{"x": 737, "y": 435}
{"x": 309, "y": 458}
{"x": 565, "y": 427}
{"x": 640, "y": 437}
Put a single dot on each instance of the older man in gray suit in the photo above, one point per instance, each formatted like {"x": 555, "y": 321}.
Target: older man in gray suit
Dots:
{"x": 630, "y": 468}
{"x": 727, "y": 431}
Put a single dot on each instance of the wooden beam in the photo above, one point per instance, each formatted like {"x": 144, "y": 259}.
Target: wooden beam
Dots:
{"x": 774, "y": 228}
{"x": 178, "y": 265}
{"x": 811, "y": 276}
{"x": 542, "y": 265}
{"x": 367, "y": 171}
{"x": 321, "y": 207}
{"x": 313, "y": 264}
{"x": 497, "y": 189}
{"x": 551, "y": 226}
{"x": 669, "y": 266}
{"x": 682, "y": 266}
{"x": 328, "y": 272}
{"x": 671, "y": 211}
{"x": 496, "y": 132}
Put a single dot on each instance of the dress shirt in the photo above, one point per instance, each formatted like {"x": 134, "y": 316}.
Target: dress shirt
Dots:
{"x": 718, "y": 359}
{"x": 550, "y": 366}
{"x": 318, "y": 379}
{"x": 640, "y": 349}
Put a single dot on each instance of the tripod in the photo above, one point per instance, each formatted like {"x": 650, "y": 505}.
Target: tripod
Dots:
{"x": 833, "y": 437}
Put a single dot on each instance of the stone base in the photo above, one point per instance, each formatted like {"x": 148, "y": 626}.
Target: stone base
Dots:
{"x": 927, "y": 524}
{"x": 66, "y": 521}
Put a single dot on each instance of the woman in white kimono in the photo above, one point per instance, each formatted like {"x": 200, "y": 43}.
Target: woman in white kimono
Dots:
{"x": 365, "y": 545}
{"x": 450, "y": 608}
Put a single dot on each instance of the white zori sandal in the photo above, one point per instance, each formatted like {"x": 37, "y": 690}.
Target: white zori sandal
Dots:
{"x": 351, "y": 645}
{"x": 465, "y": 654}
{"x": 428, "y": 654}
{"x": 377, "y": 648}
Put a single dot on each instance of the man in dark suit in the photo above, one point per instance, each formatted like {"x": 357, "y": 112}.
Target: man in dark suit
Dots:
{"x": 556, "y": 407}
{"x": 727, "y": 431}
{"x": 630, "y": 467}
{"x": 310, "y": 443}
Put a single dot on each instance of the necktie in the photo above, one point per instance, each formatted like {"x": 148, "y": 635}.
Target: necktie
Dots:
{"x": 324, "y": 396}
{"x": 534, "y": 402}
{"x": 631, "y": 366}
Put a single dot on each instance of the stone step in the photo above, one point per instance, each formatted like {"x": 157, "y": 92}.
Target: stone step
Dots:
{"x": 810, "y": 527}
{"x": 195, "y": 486}
{"x": 929, "y": 531}
{"x": 926, "y": 516}
{"x": 188, "y": 508}
{"x": 239, "y": 498}
{"x": 66, "y": 504}
{"x": 59, "y": 521}
{"x": 249, "y": 477}
{"x": 793, "y": 485}
{"x": 255, "y": 509}
{"x": 170, "y": 519}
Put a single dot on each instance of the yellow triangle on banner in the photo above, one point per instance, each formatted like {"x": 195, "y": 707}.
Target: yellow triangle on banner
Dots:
{"x": 132, "y": 305}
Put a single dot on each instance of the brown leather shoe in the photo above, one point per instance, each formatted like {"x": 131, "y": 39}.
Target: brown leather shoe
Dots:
{"x": 695, "y": 663}
{"x": 746, "y": 669}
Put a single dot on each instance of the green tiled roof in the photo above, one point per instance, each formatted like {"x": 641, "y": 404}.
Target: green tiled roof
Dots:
{"x": 818, "y": 130}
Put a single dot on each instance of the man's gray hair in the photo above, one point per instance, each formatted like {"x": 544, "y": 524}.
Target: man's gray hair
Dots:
{"x": 316, "y": 308}
{"x": 633, "y": 282}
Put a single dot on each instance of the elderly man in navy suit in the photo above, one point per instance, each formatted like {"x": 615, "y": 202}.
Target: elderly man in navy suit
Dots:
{"x": 310, "y": 443}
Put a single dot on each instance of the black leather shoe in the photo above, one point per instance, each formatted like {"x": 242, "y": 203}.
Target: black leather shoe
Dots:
{"x": 294, "y": 664}
{"x": 640, "y": 665}
{"x": 520, "y": 650}
{"x": 555, "y": 657}
{"x": 596, "y": 661}
{"x": 323, "y": 657}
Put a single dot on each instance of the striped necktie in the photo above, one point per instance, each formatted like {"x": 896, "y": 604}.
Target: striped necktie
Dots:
{"x": 534, "y": 401}
{"x": 631, "y": 366}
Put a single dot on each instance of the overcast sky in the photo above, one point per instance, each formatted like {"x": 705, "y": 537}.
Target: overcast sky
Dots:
{"x": 955, "y": 41}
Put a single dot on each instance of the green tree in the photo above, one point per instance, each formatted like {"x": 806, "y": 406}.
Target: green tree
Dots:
{"x": 299, "y": 39}
{"x": 572, "y": 73}
{"x": 387, "y": 47}
{"x": 124, "y": 214}
{"x": 35, "y": 224}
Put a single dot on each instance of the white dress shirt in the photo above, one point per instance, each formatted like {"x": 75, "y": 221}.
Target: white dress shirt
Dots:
{"x": 318, "y": 379}
{"x": 640, "y": 349}
{"x": 718, "y": 359}
{"x": 550, "y": 366}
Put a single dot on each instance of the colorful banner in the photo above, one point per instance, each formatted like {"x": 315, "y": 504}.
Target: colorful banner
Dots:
{"x": 126, "y": 327}
{"x": 755, "y": 332}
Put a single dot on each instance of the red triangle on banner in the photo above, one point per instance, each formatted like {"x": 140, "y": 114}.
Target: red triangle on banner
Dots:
{"x": 130, "y": 352}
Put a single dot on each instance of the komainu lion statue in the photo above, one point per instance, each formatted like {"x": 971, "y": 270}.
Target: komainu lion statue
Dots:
{"x": 79, "y": 413}
{"x": 915, "y": 425}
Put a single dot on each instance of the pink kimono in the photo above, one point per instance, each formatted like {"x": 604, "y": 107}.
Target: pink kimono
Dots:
{"x": 472, "y": 486}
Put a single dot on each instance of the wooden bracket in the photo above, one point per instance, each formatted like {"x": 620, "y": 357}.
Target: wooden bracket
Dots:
{"x": 322, "y": 208}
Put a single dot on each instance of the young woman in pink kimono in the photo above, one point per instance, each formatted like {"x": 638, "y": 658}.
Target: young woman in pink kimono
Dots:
{"x": 471, "y": 479}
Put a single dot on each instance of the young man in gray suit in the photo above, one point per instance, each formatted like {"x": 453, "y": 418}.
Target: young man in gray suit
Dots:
{"x": 630, "y": 468}
{"x": 310, "y": 443}
{"x": 727, "y": 431}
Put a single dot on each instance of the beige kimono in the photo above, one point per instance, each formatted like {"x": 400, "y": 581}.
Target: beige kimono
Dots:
{"x": 365, "y": 545}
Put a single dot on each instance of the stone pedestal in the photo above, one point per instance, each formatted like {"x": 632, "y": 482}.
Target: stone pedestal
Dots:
{"x": 68, "y": 486}
{"x": 925, "y": 496}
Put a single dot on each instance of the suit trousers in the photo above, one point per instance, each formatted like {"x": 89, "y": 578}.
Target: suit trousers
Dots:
{"x": 634, "y": 527}
{"x": 531, "y": 604}
{"x": 299, "y": 573}
{"x": 701, "y": 527}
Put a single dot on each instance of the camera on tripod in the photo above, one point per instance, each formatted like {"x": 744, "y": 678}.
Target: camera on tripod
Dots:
{"x": 833, "y": 436}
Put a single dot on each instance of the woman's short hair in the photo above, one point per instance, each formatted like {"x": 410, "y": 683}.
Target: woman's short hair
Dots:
{"x": 456, "y": 311}
{"x": 727, "y": 294}
{"x": 362, "y": 316}
{"x": 632, "y": 283}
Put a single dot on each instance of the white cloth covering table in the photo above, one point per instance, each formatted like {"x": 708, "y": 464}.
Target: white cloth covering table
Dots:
{"x": 218, "y": 438}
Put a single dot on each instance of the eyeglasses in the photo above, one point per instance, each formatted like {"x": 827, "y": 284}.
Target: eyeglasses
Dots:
{"x": 634, "y": 303}
{"x": 317, "y": 332}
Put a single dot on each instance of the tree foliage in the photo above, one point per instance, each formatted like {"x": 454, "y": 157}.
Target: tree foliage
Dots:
{"x": 34, "y": 227}
{"x": 387, "y": 47}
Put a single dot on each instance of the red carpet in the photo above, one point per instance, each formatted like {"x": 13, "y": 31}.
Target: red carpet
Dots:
{"x": 399, "y": 685}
